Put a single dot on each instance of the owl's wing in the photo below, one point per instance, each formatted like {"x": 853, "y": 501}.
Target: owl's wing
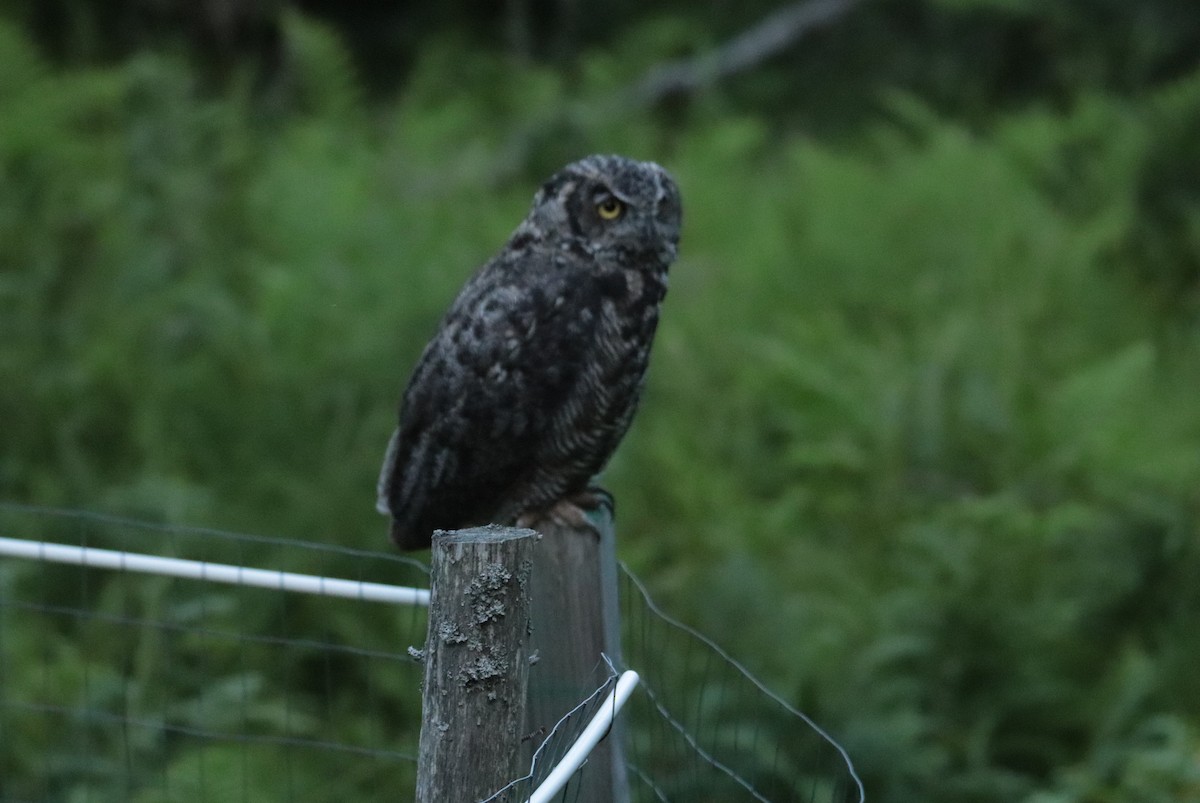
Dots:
{"x": 479, "y": 405}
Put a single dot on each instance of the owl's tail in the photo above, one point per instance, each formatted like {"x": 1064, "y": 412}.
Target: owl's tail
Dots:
{"x": 408, "y": 538}
{"x": 405, "y": 533}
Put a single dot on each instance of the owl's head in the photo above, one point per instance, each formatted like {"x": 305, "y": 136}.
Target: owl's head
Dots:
{"x": 612, "y": 207}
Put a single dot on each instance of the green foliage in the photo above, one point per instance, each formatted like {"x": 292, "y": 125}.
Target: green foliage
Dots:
{"x": 920, "y": 442}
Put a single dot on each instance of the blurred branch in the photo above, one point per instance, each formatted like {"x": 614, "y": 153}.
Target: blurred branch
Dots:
{"x": 773, "y": 34}
{"x": 770, "y": 36}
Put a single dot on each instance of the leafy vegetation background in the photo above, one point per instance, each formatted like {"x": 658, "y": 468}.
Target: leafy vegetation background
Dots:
{"x": 921, "y": 443}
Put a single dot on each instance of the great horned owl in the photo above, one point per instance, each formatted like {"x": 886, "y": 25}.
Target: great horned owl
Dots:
{"x": 535, "y": 371}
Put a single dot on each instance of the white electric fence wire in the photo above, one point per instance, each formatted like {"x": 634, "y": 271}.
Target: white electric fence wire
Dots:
{"x": 213, "y": 572}
{"x": 596, "y": 730}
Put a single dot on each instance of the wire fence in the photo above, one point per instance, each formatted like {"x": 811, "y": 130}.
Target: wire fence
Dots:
{"x": 703, "y": 728}
{"x": 147, "y": 688}
{"x": 116, "y": 687}
{"x": 557, "y": 768}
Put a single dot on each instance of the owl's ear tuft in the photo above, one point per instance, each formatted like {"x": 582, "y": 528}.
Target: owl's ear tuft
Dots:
{"x": 551, "y": 188}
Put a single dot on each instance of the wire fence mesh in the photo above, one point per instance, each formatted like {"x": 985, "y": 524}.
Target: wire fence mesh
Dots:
{"x": 699, "y": 727}
{"x": 553, "y": 746}
{"x": 702, "y": 728}
{"x": 117, "y": 687}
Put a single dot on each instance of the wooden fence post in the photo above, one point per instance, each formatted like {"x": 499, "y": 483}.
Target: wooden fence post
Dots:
{"x": 476, "y": 664}
{"x": 574, "y": 617}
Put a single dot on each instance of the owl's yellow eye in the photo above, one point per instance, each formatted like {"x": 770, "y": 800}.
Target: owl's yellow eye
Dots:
{"x": 609, "y": 208}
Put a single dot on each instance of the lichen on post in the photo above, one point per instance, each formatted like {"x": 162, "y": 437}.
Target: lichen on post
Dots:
{"x": 476, "y": 663}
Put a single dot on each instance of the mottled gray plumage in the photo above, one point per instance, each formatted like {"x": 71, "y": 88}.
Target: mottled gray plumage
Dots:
{"x": 533, "y": 375}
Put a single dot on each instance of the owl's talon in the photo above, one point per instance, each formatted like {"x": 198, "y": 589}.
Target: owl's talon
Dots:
{"x": 595, "y": 498}
{"x": 570, "y": 513}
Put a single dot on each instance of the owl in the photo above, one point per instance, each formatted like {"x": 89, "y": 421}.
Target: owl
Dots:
{"x": 535, "y": 371}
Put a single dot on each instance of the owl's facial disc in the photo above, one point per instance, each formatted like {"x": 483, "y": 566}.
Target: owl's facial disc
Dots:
{"x": 608, "y": 204}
